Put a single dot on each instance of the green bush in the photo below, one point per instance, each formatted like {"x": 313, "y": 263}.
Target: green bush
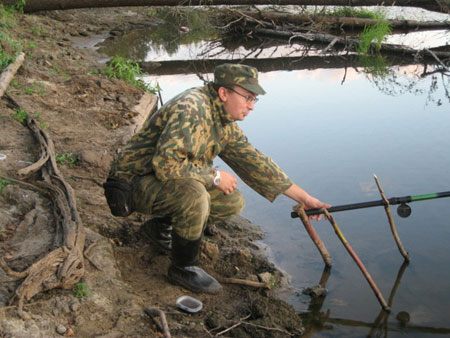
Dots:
{"x": 128, "y": 71}
{"x": 3, "y": 183}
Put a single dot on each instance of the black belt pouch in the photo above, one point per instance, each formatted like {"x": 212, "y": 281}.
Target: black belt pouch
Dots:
{"x": 118, "y": 196}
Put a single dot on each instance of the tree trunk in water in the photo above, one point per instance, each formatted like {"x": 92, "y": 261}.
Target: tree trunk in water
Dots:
{"x": 264, "y": 65}
{"x": 337, "y": 21}
{"x": 41, "y": 5}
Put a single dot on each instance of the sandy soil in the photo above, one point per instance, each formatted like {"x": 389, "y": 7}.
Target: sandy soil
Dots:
{"x": 88, "y": 116}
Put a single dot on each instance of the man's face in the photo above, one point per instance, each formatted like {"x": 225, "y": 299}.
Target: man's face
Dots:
{"x": 237, "y": 101}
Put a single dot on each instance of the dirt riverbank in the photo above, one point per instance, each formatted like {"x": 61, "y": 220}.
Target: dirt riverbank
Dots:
{"x": 88, "y": 116}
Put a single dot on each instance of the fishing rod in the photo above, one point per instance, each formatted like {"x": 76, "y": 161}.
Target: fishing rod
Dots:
{"x": 403, "y": 210}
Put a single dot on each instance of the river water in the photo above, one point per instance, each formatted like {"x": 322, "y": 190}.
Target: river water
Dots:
{"x": 331, "y": 129}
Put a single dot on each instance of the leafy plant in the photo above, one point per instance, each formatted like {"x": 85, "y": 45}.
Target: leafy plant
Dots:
{"x": 81, "y": 290}
{"x": 128, "y": 71}
{"x": 9, "y": 49}
{"x": 21, "y": 116}
{"x": 67, "y": 159}
{"x": 373, "y": 36}
{"x": 19, "y": 6}
{"x": 3, "y": 183}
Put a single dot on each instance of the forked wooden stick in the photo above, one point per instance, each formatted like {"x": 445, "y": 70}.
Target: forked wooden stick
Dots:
{"x": 391, "y": 221}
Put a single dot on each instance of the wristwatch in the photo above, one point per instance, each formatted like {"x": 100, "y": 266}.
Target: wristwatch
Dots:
{"x": 217, "y": 179}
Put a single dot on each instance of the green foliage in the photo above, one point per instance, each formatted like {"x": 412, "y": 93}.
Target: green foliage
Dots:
{"x": 81, "y": 290}
{"x": 373, "y": 36}
{"x": 5, "y": 59}
{"x": 21, "y": 116}
{"x": 356, "y": 13}
{"x": 9, "y": 47}
{"x": 3, "y": 183}
{"x": 67, "y": 159}
{"x": 128, "y": 71}
{"x": 376, "y": 65}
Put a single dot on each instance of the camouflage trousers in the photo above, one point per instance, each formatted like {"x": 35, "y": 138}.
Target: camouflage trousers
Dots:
{"x": 188, "y": 203}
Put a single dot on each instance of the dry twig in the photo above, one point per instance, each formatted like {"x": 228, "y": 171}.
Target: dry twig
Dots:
{"x": 391, "y": 220}
{"x": 245, "y": 282}
{"x": 164, "y": 327}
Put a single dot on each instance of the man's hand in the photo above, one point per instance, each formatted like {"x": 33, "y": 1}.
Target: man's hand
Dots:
{"x": 299, "y": 195}
{"x": 314, "y": 203}
{"x": 228, "y": 182}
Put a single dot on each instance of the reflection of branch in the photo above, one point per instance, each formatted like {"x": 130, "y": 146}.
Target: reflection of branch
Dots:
{"x": 391, "y": 327}
{"x": 437, "y": 59}
{"x": 383, "y": 315}
{"x": 267, "y": 64}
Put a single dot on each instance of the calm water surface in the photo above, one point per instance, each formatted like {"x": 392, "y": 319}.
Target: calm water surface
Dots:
{"x": 331, "y": 136}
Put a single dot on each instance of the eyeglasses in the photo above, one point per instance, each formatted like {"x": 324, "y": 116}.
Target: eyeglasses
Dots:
{"x": 248, "y": 99}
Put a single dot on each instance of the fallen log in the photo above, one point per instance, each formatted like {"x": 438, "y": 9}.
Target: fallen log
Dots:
{"x": 9, "y": 72}
{"x": 348, "y": 43}
{"x": 46, "y": 5}
{"x": 336, "y": 22}
{"x": 173, "y": 67}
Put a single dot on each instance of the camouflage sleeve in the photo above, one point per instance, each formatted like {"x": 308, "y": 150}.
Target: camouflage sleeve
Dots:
{"x": 179, "y": 150}
{"x": 257, "y": 170}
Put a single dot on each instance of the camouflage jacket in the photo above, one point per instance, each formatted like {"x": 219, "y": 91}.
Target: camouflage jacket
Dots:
{"x": 184, "y": 136}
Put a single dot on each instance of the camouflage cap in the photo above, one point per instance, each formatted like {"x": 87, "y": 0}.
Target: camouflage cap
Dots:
{"x": 229, "y": 74}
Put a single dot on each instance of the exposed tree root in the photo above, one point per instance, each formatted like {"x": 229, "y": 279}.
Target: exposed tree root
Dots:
{"x": 64, "y": 266}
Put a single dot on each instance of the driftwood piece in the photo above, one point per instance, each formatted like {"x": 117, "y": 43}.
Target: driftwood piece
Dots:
{"x": 391, "y": 220}
{"x": 143, "y": 110}
{"x": 9, "y": 72}
{"x": 164, "y": 326}
{"x": 244, "y": 282}
{"x": 64, "y": 266}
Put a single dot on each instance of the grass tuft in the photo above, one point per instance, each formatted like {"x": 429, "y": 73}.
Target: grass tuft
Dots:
{"x": 373, "y": 36}
{"x": 128, "y": 71}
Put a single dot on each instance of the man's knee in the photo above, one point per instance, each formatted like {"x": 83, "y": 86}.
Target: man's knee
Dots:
{"x": 184, "y": 198}
{"x": 237, "y": 203}
{"x": 225, "y": 206}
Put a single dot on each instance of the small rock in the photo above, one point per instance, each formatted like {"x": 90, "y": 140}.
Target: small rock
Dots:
{"x": 74, "y": 306}
{"x": 26, "y": 316}
{"x": 403, "y": 317}
{"x": 253, "y": 278}
{"x": 210, "y": 229}
{"x": 61, "y": 329}
{"x": 211, "y": 250}
{"x": 315, "y": 291}
{"x": 265, "y": 277}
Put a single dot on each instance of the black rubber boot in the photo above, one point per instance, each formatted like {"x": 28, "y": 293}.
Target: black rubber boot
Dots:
{"x": 185, "y": 269}
{"x": 159, "y": 231}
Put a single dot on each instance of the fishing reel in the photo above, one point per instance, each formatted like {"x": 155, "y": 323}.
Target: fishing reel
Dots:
{"x": 403, "y": 210}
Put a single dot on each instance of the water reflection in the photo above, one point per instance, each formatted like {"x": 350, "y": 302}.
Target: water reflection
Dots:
{"x": 165, "y": 50}
{"x": 316, "y": 320}
{"x": 165, "y": 39}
